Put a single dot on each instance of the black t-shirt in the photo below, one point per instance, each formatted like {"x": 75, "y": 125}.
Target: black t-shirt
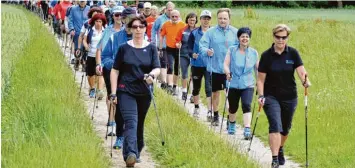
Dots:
{"x": 132, "y": 63}
{"x": 279, "y": 69}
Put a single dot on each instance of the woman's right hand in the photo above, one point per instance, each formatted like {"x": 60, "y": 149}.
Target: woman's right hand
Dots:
{"x": 113, "y": 98}
{"x": 194, "y": 55}
{"x": 229, "y": 77}
{"x": 261, "y": 100}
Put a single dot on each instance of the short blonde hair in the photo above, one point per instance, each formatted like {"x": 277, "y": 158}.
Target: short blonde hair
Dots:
{"x": 154, "y": 8}
{"x": 280, "y": 28}
{"x": 224, "y": 10}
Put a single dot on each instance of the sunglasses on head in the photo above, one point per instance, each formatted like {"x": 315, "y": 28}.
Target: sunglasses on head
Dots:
{"x": 136, "y": 26}
{"x": 117, "y": 14}
{"x": 280, "y": 37}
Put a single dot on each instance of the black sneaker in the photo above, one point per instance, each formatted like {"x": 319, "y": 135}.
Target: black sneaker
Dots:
{"x": 169, "y": 90}
{"x": 83, "y": 67}
{"x": 163, "y": 86}
{"x": 184, "y": 96}
{"x": 215, "y": 120}
{"x": 209, "y": 116}
{"x": 76, "y": 65}
{"x": 281, "y": 156}
{"x": 275, "y": 164}
{"x": 72, "y": 61}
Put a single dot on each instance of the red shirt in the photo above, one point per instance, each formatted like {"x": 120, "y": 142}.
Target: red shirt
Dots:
{"x": 150, "y": 21}
{"x": 63, "y": 8}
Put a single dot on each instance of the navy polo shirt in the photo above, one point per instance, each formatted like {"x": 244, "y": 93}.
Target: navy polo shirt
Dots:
{"x": 279, "y": 69}
{"x": 132, "y": 63}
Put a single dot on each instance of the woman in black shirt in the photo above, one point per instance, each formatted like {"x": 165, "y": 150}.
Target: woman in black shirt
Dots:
{"x": 277, "y": 89}
{"x": 136, "y": 65}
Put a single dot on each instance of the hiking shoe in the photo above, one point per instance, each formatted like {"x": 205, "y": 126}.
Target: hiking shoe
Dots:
{"x": 184, "y": 96}
{"x": 131, "y": 160}
{"x": 275, "y": 164}
{"x": 175, "y": 92}
{"x": 111, "y": 123}
{"x": 163, "y": 86}
{"x": 72, "y": 61}
{"x": 119, "y": 143}
{"x": 209, "y": 116}
{"x": 169, "y": 90}
{"x": 215, "y": 120}
{"x": 281, "y": 156}
{"x": 100, "y": 94}
{"x": 76, "y": 65}
{"x": 247, "y": 133}
{"x": 196, "y": 112}
{"x": 192, "y": 99}
{"x": 111, "y": 134}
{"x": 231, "y": 128}
{"x": 92, "y": 93}
{"x": 138, "y": 160}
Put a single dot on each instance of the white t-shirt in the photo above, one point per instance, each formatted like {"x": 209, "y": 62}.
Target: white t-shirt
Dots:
{"x": 96, "y": 37}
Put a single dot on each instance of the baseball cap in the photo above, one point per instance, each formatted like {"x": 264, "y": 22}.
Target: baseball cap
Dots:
{"x": 128, "y": 11}
{"x": 147, "y": 5}
{"x": 118, "y": 9}
{"x": 140, "y": 5}
{"x": 206, "y": 13}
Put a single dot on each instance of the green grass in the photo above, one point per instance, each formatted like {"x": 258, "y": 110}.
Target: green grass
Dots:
{"x": 327, "y": 49}
{"x": 43, "y": 122}
{"x": 187, "y": 143}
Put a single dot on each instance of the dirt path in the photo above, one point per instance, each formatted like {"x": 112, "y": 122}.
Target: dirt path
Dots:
{"x": 100, "y": 121}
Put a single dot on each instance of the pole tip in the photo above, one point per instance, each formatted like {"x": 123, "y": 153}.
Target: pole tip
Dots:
{"x": 162, "y": 143}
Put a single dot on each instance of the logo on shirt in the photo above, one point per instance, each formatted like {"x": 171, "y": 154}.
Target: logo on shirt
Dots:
{"x": 144, "y": 50}
{"x": 289, "y": 62}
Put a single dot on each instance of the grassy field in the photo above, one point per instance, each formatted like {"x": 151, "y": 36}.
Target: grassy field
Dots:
{"x": 43, "y": 122}
{"x": 326, "y": 45}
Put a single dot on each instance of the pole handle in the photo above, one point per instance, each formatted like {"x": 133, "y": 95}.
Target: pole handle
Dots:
{"x": 305, "y": 81}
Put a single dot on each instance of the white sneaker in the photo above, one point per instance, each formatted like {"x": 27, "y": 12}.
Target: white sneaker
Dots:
{"x": 196, "y": 112}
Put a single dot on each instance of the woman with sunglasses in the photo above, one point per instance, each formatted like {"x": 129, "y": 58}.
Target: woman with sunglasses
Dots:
{"x": 277, "y": 89}
{"x": 136, "y": 65}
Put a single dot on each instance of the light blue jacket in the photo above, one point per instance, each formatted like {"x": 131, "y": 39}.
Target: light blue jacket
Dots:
{"x": 109, "y": 53}
{"x": 220, "y": 40}
{"x": 109, "y": 31}
{"x": 243, "y": 67}
{"x": 158, "y": 24}
{"x": 77, "y": 18}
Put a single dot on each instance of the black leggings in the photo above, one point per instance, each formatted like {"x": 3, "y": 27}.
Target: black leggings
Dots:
{"x": 173, "y": 60}
{"x": 233, "y": 98}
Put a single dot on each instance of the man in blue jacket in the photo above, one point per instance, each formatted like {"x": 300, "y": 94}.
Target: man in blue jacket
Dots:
{"x": 198, "y": 65}
{"x": 214, "y": 45}
{"x": 155, "y": 40}
{"x": 78, "y": 15}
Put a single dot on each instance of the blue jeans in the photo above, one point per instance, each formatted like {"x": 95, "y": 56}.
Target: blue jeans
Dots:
{"x": 133, "y": 110}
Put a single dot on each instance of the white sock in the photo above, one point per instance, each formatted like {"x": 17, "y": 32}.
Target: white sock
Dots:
{"x": 184, "y": 89}
{"x": 247, "y": 119}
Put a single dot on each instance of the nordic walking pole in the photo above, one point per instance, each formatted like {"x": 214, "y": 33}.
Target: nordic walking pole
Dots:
{"x": 252, "y": 113}
{"x": 81, "y": 83}
{"x": 225, "y": 104}
{"x": 306, "y": 117}
{"x": 111, "y": 128}
{"x": 211, "y": 91}
{"x": 256, "y": 121}
{"x": 109, "y": 116}
{"x": 71, "y": 49}
{"x": 188, "y": 86}
{"x": 156, "y": 114}
{"x": 93, "y": 108}
{"x": 66, "y": 42}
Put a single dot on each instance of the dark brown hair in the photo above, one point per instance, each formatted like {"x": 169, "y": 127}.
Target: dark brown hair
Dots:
{"x": 191, "y": 15}
{"x": 141, "y": 18}
{"x": 94, "y": 9}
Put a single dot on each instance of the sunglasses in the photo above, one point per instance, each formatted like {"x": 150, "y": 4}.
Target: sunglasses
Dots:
{"x": 117, "y": 14}
{"x": 280, "y": 37}
{"x": 136, "y": 26}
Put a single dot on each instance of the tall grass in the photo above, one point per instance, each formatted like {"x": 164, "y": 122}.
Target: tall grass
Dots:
{"x": 188, "y": 143}
{"x": 44, "y": 124}
{"x": 327, "y": 50}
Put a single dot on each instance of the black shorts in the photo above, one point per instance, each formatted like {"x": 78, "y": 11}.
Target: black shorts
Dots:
{"x": 106, "y": 74}
{"x": 246, "y": 95}
{"x": 163, "y": 59}
{"x": 279, "y": 114}
{"x": 91, "y": 66}
{"x": 218, "y": 82}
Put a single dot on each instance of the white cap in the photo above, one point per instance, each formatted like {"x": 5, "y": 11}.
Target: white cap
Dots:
{"x": 118, "y": 9}
{"x": 206, "y": 13}
{"x": 147, "y": 5}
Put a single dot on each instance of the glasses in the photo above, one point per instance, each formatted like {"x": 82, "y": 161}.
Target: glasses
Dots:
{"x": 136, "y": 26}
{"x": 175, "y": 16}
{"x": 117, "y": 14}
{"x": 280, "y": 37}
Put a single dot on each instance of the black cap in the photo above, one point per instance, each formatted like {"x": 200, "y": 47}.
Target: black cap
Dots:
{"x": 140, "y": 5}
{"x": 128, "y": 11}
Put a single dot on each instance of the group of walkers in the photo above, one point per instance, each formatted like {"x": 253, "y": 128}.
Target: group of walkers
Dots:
{"x": 127, "y": 48}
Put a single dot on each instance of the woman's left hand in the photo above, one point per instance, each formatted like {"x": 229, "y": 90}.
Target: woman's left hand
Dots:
{"x": 148, "y": 78}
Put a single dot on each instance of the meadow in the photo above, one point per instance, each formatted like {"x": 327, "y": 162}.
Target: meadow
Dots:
{"x": 44, "y": 123}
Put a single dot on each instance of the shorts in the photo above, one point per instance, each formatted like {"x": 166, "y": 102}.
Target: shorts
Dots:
{"x": 91, "y": 66}
{"x": 184, "y": 65}
{"x": 235, "y": 95}
{"x": 106, "y": 74}
{"x": 218, "y": 82}
{"x": 164, "y": 59}
{"x": 279, "y": 114}
{"x": 173, "y": 60}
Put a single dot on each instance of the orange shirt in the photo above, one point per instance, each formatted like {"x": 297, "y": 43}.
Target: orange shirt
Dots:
{"x": 171, "y": 30}
{"x": 150, "y": 21}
